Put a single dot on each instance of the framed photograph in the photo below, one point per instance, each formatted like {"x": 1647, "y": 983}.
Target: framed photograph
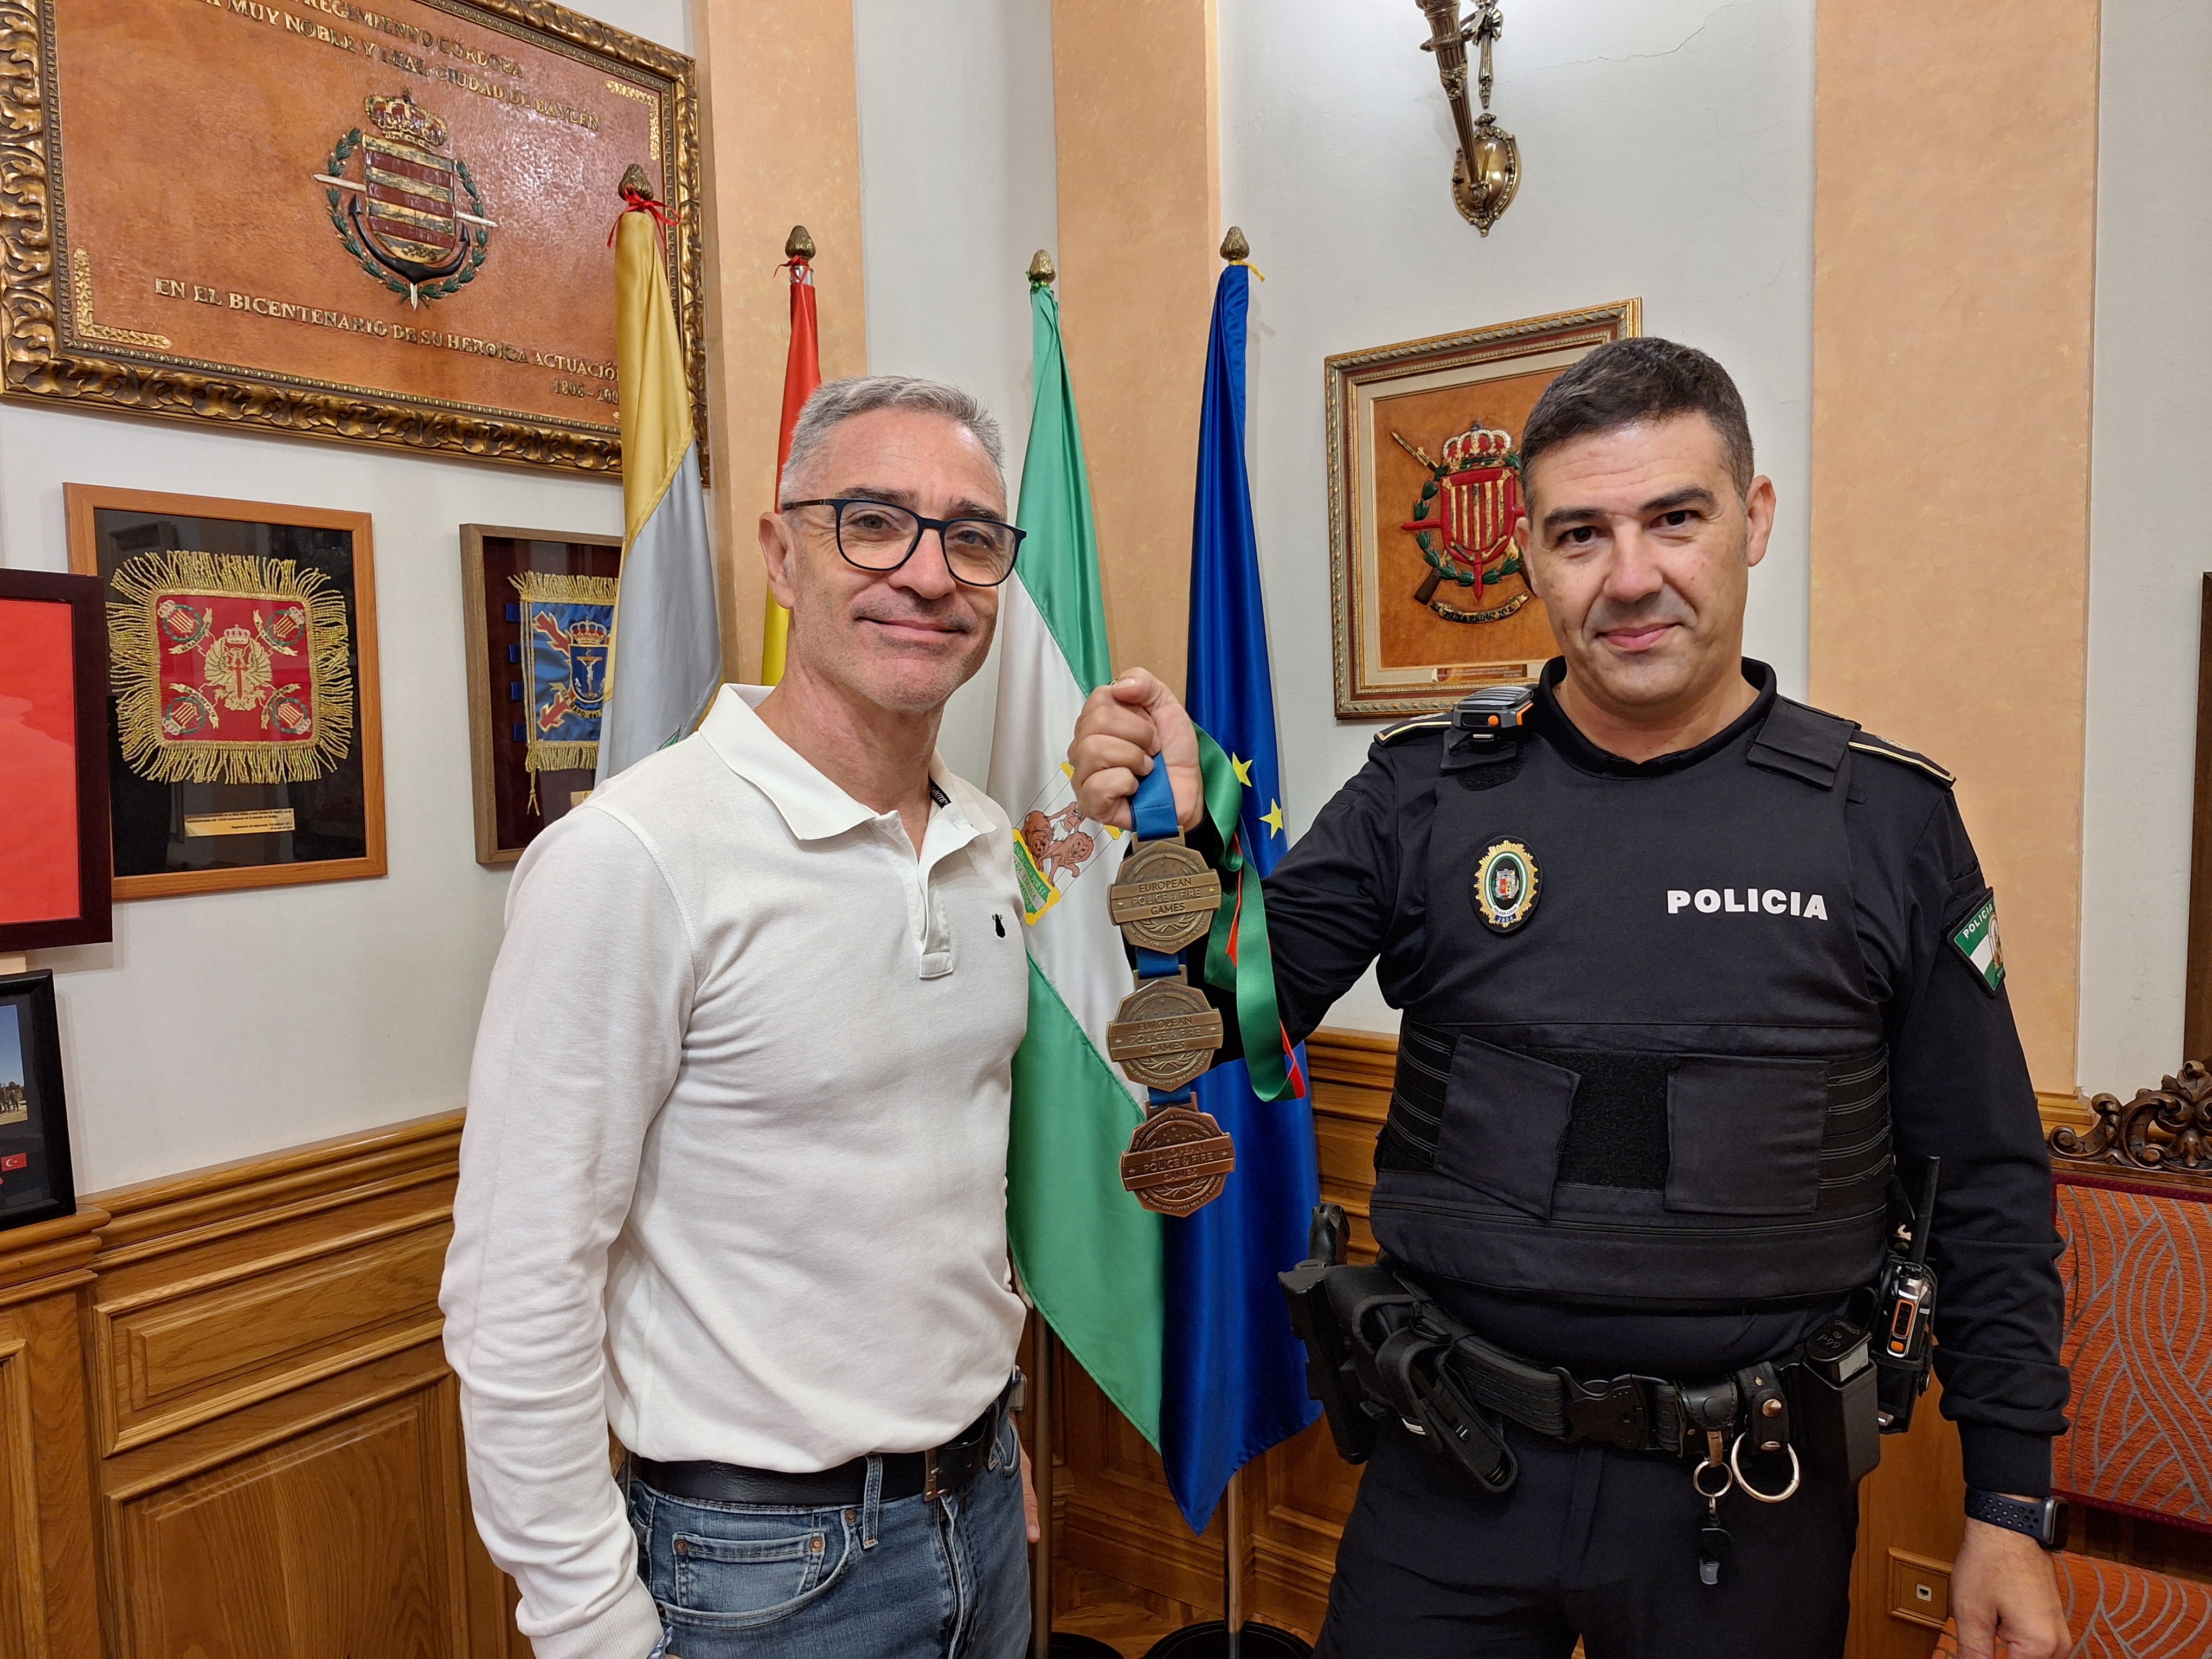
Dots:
{"x": 53, "y": 758}
{"x": 396, "y": 233}
{"x": 1427, "y": 598}
{"x": 243, "y": 744}
{"x": 35, "y": 1181}
{"x": 540, "y": 607}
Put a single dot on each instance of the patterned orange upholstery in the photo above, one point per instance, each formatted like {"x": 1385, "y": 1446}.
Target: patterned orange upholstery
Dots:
{"x": 2117, "y": 1611}
{"x": 2138, "y": 1271}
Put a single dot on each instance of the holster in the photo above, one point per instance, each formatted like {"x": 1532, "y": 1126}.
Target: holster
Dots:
{"x": 1371, "y": 1352}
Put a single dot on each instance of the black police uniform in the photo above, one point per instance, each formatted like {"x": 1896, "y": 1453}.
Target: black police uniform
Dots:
{"x": 1643, "y": 1123}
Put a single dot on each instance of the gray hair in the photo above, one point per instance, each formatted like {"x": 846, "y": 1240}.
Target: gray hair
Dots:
{"x": 834, "y": 401}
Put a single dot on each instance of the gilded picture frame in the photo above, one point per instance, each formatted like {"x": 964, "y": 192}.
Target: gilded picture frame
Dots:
{"x": 1427, "y": 600}
{"x": 377, "y": 225}
{"x": 244, "y": 730}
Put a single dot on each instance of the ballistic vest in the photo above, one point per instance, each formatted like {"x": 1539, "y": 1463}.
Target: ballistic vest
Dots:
{"x": 1645, "y": 1069}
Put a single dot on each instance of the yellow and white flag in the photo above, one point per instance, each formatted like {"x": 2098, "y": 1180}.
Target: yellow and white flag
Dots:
{"x": 667, "y": 646}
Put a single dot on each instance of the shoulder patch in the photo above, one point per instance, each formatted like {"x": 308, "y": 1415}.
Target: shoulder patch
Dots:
{"x": 1975, "y": 939}
{"x": 1867, "y": 743}
{"x": 1419, "y": 723}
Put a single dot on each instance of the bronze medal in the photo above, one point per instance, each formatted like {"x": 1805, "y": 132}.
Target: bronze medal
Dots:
{"x": 1164, "y": 896}
{"x": 1164, "y": 1034}
{"x": 1177, "y": 1160}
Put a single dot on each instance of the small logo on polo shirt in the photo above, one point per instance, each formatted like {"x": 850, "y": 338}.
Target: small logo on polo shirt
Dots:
{"x": 1746, "y": 901}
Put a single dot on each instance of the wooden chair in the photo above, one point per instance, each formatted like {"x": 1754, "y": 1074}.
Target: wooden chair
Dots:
{"x": 2135, "y": 1208}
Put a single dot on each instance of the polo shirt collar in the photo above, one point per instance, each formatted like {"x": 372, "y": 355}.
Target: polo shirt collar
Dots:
{"x": 814, "y": 808}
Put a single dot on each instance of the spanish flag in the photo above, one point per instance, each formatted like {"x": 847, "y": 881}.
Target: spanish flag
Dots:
{"x": 667, "y": 648}
{"x": 802, "y": 372}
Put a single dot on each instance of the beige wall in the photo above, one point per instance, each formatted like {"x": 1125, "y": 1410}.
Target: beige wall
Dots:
{"x": 1137, "y": 118}
{"x": 782, "y": 141}
{"x": 1954, "y": 249}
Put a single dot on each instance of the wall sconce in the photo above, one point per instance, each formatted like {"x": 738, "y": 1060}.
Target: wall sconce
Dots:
{"x": 1487, "y": 170}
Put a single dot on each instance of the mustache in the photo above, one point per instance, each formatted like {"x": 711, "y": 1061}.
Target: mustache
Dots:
{"x": 1664, "y": 606}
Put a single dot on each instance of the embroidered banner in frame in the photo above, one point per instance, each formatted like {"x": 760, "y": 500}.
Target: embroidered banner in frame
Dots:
{"x": 539, "y": 612}
{"x": 243, "y": 741}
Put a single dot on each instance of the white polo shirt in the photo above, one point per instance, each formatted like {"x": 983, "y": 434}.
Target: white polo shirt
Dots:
{"x": 733, "y": 1178}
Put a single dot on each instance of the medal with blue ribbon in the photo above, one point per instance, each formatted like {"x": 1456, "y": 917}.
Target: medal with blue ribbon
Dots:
{"x": 1164, "y": 899}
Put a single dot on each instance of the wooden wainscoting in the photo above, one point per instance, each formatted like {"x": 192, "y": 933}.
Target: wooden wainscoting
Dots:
{"x": 277, "y": 1468}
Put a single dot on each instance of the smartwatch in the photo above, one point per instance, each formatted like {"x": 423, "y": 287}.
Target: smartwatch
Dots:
{"x": 2044, "y": 1521}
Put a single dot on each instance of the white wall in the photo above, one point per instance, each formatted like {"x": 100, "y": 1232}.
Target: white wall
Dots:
{"x": 2151, "y": 497}
{"x": 956, "y": 193}
{"x": 221, "y": 1025}
{"x": 1666, "y": 152}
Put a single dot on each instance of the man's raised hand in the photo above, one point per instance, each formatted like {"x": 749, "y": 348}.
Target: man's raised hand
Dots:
{"x": 1123, "y": 726}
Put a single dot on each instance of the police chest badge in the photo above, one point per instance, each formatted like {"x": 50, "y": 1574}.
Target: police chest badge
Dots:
{"x": 1505, "y": 881}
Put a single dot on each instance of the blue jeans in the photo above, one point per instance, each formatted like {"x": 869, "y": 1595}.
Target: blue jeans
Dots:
{"x": 918, "y": 1578}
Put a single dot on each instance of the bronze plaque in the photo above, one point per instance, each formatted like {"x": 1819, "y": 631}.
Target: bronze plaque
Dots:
{"x": 382, "y": 223}
{"x": 1178, "y": 1160}
{"x": 1164, "y": 896}
{"x": 1163, "y": 1034}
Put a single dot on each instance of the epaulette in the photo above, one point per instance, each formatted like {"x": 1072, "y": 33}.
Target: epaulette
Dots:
{"x": 1867, "y": 743}
{"x": 1439, "y": 721}
{"x": 1802, "y": 743}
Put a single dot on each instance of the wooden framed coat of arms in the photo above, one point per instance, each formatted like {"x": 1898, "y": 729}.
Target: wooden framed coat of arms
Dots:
{"x": 378, "y": 224}
{"x": 244, "y": 747}
{"x": 541, "y": 611}
{"x": 1428, "y": 599}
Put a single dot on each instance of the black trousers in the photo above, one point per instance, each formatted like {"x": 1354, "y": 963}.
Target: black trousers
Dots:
{"x": 1590, "y": 1542}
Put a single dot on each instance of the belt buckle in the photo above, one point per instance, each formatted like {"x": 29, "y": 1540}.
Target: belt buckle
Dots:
{"x": 929, "y": 1486}
{"x": 1614, "y": 1412}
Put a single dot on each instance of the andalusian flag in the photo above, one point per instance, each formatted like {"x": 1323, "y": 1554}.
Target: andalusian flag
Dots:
{"x": 802, "y": 372}
{"x": 667, "y": 648}
{"x": 1089, "y": 1256}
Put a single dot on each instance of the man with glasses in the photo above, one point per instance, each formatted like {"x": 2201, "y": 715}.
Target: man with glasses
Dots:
{"x": 733, "y": 1182}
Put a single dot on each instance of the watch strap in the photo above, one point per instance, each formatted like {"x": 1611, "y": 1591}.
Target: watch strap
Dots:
{"x": 2043, "y": 1520}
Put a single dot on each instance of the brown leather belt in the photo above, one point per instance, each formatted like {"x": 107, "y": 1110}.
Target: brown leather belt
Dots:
{"x": 945, "y": 1468}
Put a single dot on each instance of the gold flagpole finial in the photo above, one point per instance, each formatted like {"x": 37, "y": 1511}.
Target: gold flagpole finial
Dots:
{"x": 800, "y": 244}
{"x": 635, "y": 182}
{"x": 1041, "y": 268}
{"x": 1234, "y": 248}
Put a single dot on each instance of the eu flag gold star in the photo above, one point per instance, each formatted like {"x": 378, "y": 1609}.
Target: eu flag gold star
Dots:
{"x": 1244, "y": 771}
{"x": 1272, "y": 818}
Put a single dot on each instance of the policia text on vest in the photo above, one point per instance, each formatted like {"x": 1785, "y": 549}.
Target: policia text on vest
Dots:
{"x": 1670, "y": 1030}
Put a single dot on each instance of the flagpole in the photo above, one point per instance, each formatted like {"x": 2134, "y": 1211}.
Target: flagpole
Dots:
{"x": 1235, "y": 1635}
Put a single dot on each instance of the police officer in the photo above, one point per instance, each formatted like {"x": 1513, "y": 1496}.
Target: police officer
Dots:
{"x": 1681, "y": 964}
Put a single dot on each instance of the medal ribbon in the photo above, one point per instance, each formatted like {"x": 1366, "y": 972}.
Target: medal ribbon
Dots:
{"x": 1238, "y": 958}
{"x": 1152, "y": 815}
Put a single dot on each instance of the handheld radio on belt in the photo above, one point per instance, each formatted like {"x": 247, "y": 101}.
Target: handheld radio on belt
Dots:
{"x": 1904, "y": 1309}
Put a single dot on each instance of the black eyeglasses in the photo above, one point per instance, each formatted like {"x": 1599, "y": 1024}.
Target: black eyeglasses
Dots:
{"x": 878, "y": 535}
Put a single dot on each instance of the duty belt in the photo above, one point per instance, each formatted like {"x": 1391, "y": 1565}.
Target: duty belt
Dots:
{"x": 1417, "y": 1363}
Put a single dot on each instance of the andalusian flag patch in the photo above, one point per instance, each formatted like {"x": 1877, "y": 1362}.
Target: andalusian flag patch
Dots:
{"x": 1976, "y": 940}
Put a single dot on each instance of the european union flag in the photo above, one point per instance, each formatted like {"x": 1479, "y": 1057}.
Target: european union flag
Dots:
{"x": 1233, "y": 1375}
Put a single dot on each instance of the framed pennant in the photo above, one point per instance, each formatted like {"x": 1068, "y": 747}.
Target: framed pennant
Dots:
{"x": 54, "y": 879}
{"x": 540, "y": 612}
{"x": 244, "y": 748}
